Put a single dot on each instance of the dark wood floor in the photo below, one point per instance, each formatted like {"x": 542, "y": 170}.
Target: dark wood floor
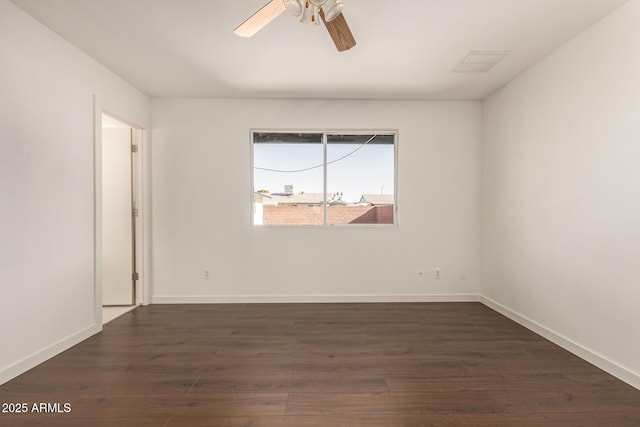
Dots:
{"x": 352, "y": 365}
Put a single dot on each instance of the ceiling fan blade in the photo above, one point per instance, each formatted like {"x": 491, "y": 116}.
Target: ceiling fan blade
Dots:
{"x": 340, "y": 32}
{"x": 260, "y": 19}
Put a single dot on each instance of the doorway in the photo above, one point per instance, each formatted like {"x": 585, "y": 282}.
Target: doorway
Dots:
{"x": 119, "y": 213}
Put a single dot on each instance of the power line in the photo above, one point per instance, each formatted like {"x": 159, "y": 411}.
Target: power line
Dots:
{"x": 320, "y": 165}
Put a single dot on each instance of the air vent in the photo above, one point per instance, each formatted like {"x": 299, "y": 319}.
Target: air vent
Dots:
{"x": 479, "y": 62}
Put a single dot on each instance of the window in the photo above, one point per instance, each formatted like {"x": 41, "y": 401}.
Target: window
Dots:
{"x": 323, "y": 178}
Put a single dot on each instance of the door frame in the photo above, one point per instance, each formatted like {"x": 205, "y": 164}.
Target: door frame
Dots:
{"x": 141, "y": 179}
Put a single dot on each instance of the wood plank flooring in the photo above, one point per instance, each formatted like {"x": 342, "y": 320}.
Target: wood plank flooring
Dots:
{"x": 405, "y": 364}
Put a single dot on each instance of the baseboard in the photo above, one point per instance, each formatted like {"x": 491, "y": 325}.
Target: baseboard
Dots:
{"x": 607, "y": 365}
{"x": 230, "y": 299}
{"x": 36, "y": 358}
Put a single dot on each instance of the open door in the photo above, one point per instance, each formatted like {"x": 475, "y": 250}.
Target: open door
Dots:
{"x": 118, "y": 215}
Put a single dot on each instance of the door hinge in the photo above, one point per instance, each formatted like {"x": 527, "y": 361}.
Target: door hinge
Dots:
{"x": 134, "y": 148}
{"x": 134, "y": 211}
{"x": 136, "y": 276}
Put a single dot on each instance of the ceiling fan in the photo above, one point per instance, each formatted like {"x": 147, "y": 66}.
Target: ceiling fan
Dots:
{"x": 310, "y": 12}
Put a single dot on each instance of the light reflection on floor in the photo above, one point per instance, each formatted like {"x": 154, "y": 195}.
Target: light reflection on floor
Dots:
{"x": 113, "y": 312}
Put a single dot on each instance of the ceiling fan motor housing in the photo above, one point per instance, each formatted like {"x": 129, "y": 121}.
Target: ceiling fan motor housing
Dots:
{"x": 331, "y": 8}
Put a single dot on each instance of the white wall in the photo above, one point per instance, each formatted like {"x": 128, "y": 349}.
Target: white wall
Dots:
{"x": 561, "y": 195}
{"x": 47, "y": 187}
{"x": 202, "y": 193}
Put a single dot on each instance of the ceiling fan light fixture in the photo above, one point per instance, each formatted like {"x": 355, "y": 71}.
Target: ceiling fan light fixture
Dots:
{"x": 309, "y": 14}
{"x": 318, "y": 2}
{"x": 331, "y": 9}
{"x": 293, "y": 6}
{"x": 316, "y": 15}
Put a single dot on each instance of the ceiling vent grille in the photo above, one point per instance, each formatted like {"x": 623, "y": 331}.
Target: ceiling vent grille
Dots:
{"x": 479, "y": 62}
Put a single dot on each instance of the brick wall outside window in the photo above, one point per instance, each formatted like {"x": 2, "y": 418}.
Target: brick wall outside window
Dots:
{"x": 312, "y": 215}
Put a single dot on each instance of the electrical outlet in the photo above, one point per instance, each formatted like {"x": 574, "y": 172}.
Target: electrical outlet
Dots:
{"x": 436, "y": 274}
{"x": 207, "y": 274}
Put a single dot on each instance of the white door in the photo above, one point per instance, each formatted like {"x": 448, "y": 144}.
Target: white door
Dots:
{"x": 117, "y": 224}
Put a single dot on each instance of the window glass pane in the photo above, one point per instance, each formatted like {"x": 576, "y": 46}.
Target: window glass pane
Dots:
{"x": 288, "y": 179}
{"x": 360, "y": 179}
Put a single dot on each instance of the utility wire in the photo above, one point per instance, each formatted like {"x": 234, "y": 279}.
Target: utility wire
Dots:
{"x": 320, "y": 165}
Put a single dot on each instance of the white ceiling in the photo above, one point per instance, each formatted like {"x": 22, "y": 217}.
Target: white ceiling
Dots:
{"x": 406, "y": 48}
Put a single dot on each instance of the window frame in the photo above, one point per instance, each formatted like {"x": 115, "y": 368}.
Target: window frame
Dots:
{"x": 325, "y": 133}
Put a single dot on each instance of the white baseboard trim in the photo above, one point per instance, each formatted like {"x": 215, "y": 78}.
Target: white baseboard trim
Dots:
{"x": 36, "y": 358}
{"x": 607, "y": 365}
{"x": 231, "y": 299}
